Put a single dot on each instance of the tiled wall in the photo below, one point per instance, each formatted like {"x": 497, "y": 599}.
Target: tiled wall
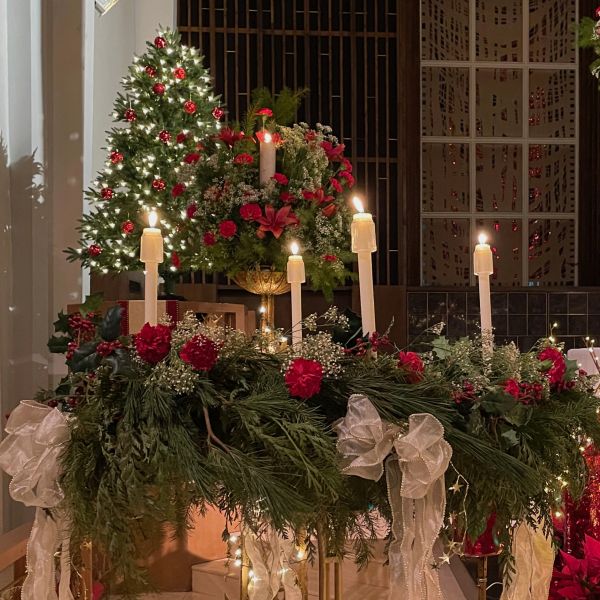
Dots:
{"x": 523, "y": 316}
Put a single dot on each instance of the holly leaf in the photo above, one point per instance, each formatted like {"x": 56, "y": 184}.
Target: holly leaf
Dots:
{"x": 572, "y": 369}
{"x": 509, "y": 438}
{"x": 91, "y": 304}
{"x": 61, "y": 325}
{"x": 119, "y": 361}
{"x": 58, "y": 344}
{"x": 518, "y": 415}
{"x": 84, "y": 358}
{"x": 110, "y": 328}
{"x": 441, "y": 347}
{"x": 497, "y": 403}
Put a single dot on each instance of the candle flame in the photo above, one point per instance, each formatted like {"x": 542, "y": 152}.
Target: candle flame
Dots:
{"x": 482, "y": 238}
{"x": 267, "y": 137}
{"x": 358, "y": 204}
{"x": 152, "y": 218}
{"x": 294, "y": 248}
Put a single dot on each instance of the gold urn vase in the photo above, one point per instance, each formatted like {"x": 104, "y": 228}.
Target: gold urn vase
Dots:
{"x": 267, "y": 283}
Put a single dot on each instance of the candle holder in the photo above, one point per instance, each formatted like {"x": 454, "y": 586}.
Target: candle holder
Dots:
{"x": 266, "y": 283}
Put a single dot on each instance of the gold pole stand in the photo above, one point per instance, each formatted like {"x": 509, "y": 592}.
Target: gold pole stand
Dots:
{"x": 325, "y": 569}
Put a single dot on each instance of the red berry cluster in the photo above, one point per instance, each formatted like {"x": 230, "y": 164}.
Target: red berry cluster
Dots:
{"x": 107, "y": 348}
{"x": 465, "y": 394}
{"x": 71, "y": 347}
{"x": 84, "y": 326}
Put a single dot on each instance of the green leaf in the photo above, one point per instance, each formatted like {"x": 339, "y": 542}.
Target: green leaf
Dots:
{"x": 119, "y": 361}
{"x": 509, "y": 438}
{"x": 110, "y": 329}
{"x": 518, "y": 415}
{"x": 441, "y": 347}
{"x": 92, "y": 304}
{"x": 84, "y": 358}
{"x": 58, "y": 344}
{"x": 61, "y": 325}
{"x": 497, "y": 403}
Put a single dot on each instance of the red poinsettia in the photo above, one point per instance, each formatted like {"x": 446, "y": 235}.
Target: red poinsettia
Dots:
{"x": 512, "y": 388}
{"x": 558, "y": 367}
{"x": 250, "y": 211}
{"x": 304, "y": 377}
{"x": 334, "y": 153}
{"x": 153, "y": 343}
{"x": 243, "y": 159}
{"x": 276, "y": 221}
{"x": 411, "y": 363}
{"x": 579, "y": 578}
{"x": 230, "y": 137}
{"x": 200, "y": 352}
{"x": 280, "y": 178}
{"x": 209, "y": 238}
{"x": 177, "y": 190}
{"x": 319, "y": 196}
{"x": 523, "y": 391}
{"x": 227, "y": 229}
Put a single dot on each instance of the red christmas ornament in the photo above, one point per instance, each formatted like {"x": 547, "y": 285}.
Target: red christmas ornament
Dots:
{"x": 127, "y": 227}
{"x": 181, "y": 138}
{"x": 130, "y": 115}
{"x": 164, "y": 136}
{"x": 200, "y": 352}
{"x": 158, "y": 88}
{"x": 159, "y": 184}
{"x": 150, "y": 71}
{"x": 179, "y": 73}
{"x": 218, "y": 112}
{"x": 116, "y": 157}
{"x": 107, "y": 193}
{"x": 153, "y": 343}
{"x": 189, "y": 107}
{"x": 94, "y": 250}
{"x": 160, "y": 42}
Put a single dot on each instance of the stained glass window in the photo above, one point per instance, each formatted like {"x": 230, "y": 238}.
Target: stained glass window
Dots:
{"x": 499, "y": 139}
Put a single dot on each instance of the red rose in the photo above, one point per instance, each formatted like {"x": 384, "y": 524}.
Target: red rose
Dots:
{"x": 177, "y": 190}
{"x": 413, "y": 365}
{"x": 348, "y": 177}
{"x": 179, "y": 73}
{"x": 209, "y": 239}
{"x": 107, "y": 193}
{"x": 556, "y": 371}
{"x": 287, "y": 197}
{"x": 329, "y": 210}
{"x": 181, "y": 137}
{"x": 330, "y": 257}
{"x": 191, "y": 158}
{"x": 200, "y": 352}
{"x": 191, "y": 210}
{"x": 153, "y": 343}
{"x": 227, "y": 229}
{"x": 336, "y": 185}
{"x": 512, "y": 387}
{"x": 265, "y": 112}
{"x": 243, "y": 159}
{"x": 280, "y": 178}
{"x": 175, "y": 260}
{"x": 127, "y": 227}
{"x": 303, "y": 378}
{"x": 250, "y": 211}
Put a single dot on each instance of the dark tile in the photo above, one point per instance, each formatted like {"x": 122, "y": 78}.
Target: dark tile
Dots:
{"x": 571, "y": 342}
{"x": 594, "y": 303}
{"x": 472, "y": 303}
{"x": 417, "y": 324}
{"x": 578, "y": 325}
{"x": 457, "y": 326}
{"x": 499, "y": 303}
{"x": 417, "y": 303}
{"x": 502, "y": 340}
{"x": 435, "y": 318}
{"x": 594, "y": 326}
{"x": 560, "y": 324}
{"x": 517, "y": 324}
{"x": 537, "y": 325}
{"x": 536, "y": 304}
{"x": 457, "y": 303}
{"x": 437, "y": 302}
{"x": 517, "y": 303}
{"x": 473, "y": 326}
{"x": 557, "y": 303}
{"x": 578, "y": 303}
{"x": 500, "y": 323}
{"x": 527, "y": 342}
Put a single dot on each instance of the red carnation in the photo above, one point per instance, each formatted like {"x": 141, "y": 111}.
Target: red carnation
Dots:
{"x": 330, "y": 257}
{"x": 512, "y": 387}
{"x": 177, "y": 190}
{"x": 412, "y": 364}
{"x": 153, "y": 343}
{"x": 250, "y": 211}
{"x": 243, "y": 159}
{"x": 191, "y": 210}
{"x": 287, "y": 197}
{"x": 127, "y": 227}
{"x": 209, "y": 239}
{"x": 227, "y": 229}
{"x": 346, "y": 164}
{"x": 348, "y": 177}
{"x": 181, "y": 137}
{"x": 329, "y": 210}
{"x": 303, "y": 378}
{"x": 265, "y": 112}
{"x": 200, "y": 352}
{"x": 556, "y": 371}
{"x": 280, "y": 178}
{"x": 336, "y": 185}
{"x": 191, "y": 158}
{"x": 107, "y": 193}
{"x": 175, "y": 260}
{"x": 230, "y": 137}
{"x": 334, "y": 153}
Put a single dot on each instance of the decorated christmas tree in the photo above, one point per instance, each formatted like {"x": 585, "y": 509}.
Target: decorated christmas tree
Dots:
{"x": 165, "y": 112}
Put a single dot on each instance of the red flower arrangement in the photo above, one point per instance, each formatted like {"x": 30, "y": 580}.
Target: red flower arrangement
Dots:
{"x": 303, "y": 378}
{"x": 275, "y": 221}
{"x": 200, "y": 352}
{"x": 153, "y": 343}
{"x": 411, "y": 363}
{"x": 558, "y": 367}
{"x": 578, "y": 578}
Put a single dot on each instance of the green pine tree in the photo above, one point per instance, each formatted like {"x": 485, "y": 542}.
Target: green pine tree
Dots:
{"x": 165, "y": 112}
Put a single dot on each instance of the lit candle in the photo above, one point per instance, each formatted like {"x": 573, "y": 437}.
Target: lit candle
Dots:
{"x": 267, "y": 157}
{"x": 364, "y": 243}
{"x": 151, "y": 254}
{"x": 296, "y": 276}
{"x": 483, "y": 263}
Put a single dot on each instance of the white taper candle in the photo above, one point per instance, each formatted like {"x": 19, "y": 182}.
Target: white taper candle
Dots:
{"x": 483, "y": 267}
{"x": 296, "y": 276}
{"x": 267, "y": 158}
{"x": 151, "y": 254}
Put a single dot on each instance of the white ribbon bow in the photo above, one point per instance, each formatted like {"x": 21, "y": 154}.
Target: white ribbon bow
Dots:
{"x": 416, "y": 488}
{"x": 270, "y": 555}
{"x": 30, "y": 453}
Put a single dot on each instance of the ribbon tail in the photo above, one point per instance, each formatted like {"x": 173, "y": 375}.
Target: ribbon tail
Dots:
{"x": 399, "y": 567}
{"x": 429, "y": 512}
{"x": 64, "y": 586}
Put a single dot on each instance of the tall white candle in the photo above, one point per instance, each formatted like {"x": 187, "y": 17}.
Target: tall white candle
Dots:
{"x": 364, "y": 243}
{"x": 296, "y": 276}
{"x": 483, "y": 267}
{"x": 267, "y": 158}
{"x": 151, "y": 254}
